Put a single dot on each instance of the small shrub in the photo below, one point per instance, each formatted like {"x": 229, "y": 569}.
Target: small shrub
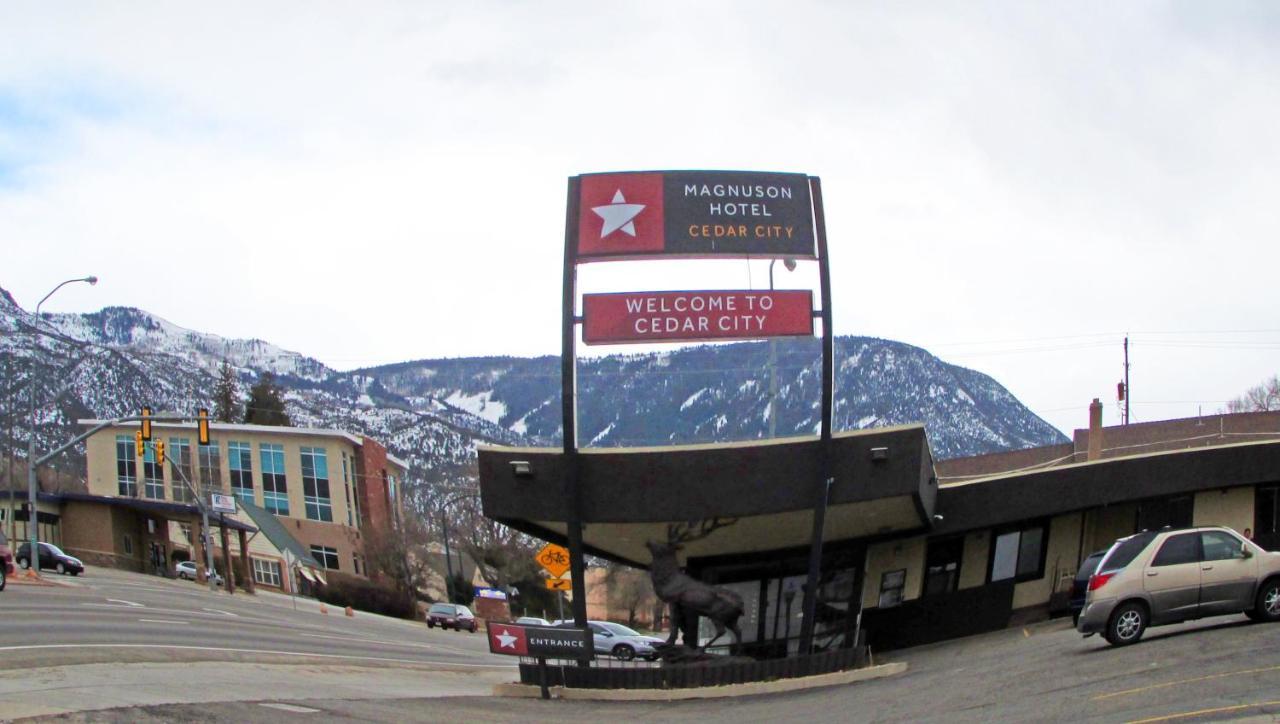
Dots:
{"x": 364, "y": 597}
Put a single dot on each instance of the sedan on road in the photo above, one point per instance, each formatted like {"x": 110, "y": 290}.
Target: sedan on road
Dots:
{"x": 451, "y": 615}
{"x": 51, "y": 556}
{"x": 186, "y": 570}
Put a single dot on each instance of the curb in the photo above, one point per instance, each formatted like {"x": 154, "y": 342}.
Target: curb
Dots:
{"x": 755, "y": 688}
{"x": 25, "y": 578}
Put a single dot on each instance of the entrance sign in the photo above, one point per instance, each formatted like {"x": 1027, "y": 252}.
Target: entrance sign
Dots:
{"x": 540, "y": 641}
{"x": 222, "y": 503}
{"x": 554, "y": 558}
{"x": 559, "y": 584}
{"x": 695, "y": 316}
{"x": 694, "y": 214}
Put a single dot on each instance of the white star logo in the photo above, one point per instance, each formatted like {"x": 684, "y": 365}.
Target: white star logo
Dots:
{"x": 505, "y": 639}
{"x": 618, "y": 215}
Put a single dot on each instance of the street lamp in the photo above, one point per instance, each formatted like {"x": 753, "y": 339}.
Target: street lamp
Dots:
{"x": 33, "y": 515}
{"x": 790, "y": 264}
{"x": 444, "y": 530}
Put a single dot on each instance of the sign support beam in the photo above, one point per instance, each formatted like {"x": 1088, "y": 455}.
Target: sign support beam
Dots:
{"x": 825, "y": 480}
{"x": 569, "y": 427}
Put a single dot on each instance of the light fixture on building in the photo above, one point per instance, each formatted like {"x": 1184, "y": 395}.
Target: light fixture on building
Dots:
{"x": 521, "y": 469}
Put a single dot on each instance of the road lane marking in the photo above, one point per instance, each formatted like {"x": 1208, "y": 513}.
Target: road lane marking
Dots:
{"x": 32, "y": 647}
{"x": 290, "y": 707}
{"x": 127, "y": 603}
{"x": 438, "y": 647}
{"x": 224, "y": 613}
{"x": 164, "y": 620}
{"x": 1167, "y": 684}
{"x": 1204, "y": 712}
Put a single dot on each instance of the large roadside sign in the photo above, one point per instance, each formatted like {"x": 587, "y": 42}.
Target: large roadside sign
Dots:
{"x": 540, "y": 641}
{"x": 632, "y": 317}
{"x": 554, "y": 558}
{"x": 694, "y": 214}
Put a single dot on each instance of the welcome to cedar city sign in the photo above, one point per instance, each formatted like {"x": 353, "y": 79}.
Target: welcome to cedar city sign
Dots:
{"x": 710, "y": 214}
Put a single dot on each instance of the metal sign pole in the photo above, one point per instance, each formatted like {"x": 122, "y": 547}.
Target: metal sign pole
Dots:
{"x": 568, "y": 376}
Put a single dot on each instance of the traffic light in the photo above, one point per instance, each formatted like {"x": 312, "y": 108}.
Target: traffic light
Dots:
{"x": 159, "y": 452}
{"x": 146, "y": 423}
{"x": 203, "y": 424}
{"x": 139, "y": 445}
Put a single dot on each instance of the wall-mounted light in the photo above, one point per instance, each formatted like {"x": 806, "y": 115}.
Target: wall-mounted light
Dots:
{"x": 521, "y": 469}
{"x": 879, "y": 453}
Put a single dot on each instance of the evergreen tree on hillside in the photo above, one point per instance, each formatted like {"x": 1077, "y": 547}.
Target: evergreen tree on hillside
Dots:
{"x": 226, "y": 395}
{"x": 266, "y": 403}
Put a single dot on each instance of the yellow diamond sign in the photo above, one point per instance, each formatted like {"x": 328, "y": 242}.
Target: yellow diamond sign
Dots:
{"x": 554, "y": 558}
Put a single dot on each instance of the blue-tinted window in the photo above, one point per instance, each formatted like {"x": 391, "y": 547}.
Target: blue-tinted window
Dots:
{"x": 240, "y": 461}
{"x": 275, "y": 491}
{"x": 126, "y": 466}
{"x": 315, "y": 484}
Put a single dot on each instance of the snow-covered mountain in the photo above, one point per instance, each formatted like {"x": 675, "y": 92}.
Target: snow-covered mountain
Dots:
{"x": 433, "y": 412}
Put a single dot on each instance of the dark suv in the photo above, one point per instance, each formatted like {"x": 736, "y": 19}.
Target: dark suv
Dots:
{"x": 451, "y": 615}
{"x": 51, "y": 556}
{"x": 1080, "y": 586}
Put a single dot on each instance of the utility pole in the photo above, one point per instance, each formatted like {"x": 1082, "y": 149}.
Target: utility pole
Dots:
{"x": 1127, "y": 393}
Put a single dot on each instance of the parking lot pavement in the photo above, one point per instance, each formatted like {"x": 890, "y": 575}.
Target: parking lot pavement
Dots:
{"x": 1206, "y": 671}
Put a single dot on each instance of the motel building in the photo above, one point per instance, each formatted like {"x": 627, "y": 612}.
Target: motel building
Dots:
{"x": 303, "y": 496}
{"x": 914, "y": 550}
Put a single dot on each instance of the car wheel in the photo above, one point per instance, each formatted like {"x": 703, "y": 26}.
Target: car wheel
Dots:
{"x": 1266, "y": 606}
{"x": 62, "y": 568}
{"x": 1127, "y": 624}
{"x": 24, "y": 564}
{"x": 430, "y": 624}
{"x": 76, "y": 573}
{"x": 625, "y": 652}
{"x": 182, "y": 575}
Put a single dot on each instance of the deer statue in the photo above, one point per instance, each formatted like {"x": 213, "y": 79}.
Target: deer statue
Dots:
{"x": 686, "y": 594}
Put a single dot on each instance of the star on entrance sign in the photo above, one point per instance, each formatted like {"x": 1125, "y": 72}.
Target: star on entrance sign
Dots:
{"x": 618, "y": 215}
{"x": 506, "y": 640}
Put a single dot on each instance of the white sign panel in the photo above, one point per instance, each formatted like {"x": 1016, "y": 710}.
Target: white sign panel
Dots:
{"x": 223, "y": 503}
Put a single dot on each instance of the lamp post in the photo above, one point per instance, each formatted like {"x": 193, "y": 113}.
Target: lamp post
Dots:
{"x": 790, "y": 264}
{"x": 33, "y": 515}
{"x": 444, "y": 530}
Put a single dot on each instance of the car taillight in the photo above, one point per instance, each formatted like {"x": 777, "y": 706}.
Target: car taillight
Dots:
{"x": 1098, "y": 580}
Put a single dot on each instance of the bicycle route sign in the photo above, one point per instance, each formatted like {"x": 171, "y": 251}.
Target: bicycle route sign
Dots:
{"x": 554, "y": 558}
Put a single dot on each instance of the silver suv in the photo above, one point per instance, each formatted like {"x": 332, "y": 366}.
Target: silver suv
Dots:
{"x": 1160, "y": 577}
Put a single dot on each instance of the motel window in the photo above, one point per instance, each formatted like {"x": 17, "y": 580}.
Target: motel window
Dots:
{"x": 152, "y": 475}
{"x": 126, "y": 466}
{"x": 210, "y": 467}
{"x": 275, "y": 492}
{"x": 266, "y": 572}
{"x": 942, "y": 565}
{"x": 892, "y": 585}
{"x": 325, "y": 556}
{"x": 355, "y": 562}
{"x": 1018, "y": 554}
{"x": 179, "y": 455}
{"x": 128, "y": 545}
{"x": 240, "y": 460}
{"x": 346, "y": 489}
{"x": 1266, "y": 517}
{"x": 315, "y": 484}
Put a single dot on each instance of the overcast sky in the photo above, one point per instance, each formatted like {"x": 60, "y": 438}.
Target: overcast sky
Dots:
{"x": 1012, "y": 186}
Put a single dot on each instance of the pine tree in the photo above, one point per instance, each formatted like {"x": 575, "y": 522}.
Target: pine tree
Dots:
{"x": 226, "y": 395}
{"x": 266, "y": 403}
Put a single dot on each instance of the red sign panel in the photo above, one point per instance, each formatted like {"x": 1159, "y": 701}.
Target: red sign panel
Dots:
{"x": 631, "y": 317}
{"x": 693, "y": 214}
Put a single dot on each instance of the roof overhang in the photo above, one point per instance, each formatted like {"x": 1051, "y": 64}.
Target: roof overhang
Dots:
{"x": 882, "y": 483}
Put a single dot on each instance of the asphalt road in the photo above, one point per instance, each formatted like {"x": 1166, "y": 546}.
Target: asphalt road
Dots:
{"x": 112, "y": 616}
{"x": 1220, "y": 669}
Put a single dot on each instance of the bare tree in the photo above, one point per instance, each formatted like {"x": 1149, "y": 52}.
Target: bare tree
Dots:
{"x": 503, "y": 555}
{"x": 629, "y": 589}
{"x": 397, "y": 555}
{"x": 1263, "y": 398}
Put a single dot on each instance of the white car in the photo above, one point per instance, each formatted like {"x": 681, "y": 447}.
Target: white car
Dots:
{"x": 620, "y": 642}
{"x": 533, "y": 621}
{"x": 186, "y": 570}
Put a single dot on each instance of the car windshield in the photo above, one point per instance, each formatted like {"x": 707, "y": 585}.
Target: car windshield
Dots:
{"x": 619, "y": 630}
{"x": 1125, "y": 550}
{"x": 442, "y": 608}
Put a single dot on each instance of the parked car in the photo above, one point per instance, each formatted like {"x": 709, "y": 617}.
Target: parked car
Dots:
{"x": 6, "y": 561}
{"x": 51, "y": 556}
{"x": 451, "y": 615}
{"x": 620, "y": 642}
{"x": 533, "y": 621}
{"x": 1080, "y": 586}
{"x": 1168, "y": 576}
{"x": 186, "y": 570}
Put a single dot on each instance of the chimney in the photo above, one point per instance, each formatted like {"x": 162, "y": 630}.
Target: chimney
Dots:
{"x": 1095, "y": 430}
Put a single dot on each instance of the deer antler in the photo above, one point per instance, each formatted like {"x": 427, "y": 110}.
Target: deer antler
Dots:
{"x": 684, "y": 533}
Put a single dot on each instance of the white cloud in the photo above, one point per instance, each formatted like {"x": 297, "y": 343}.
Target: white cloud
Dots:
{"x": 383, "y": 182}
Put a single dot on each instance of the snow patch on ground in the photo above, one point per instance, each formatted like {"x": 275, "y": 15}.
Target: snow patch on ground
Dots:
{"x": 692, "y": 399}
{"x": 481, "y": 405}
{"x": 608, "y": 429}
